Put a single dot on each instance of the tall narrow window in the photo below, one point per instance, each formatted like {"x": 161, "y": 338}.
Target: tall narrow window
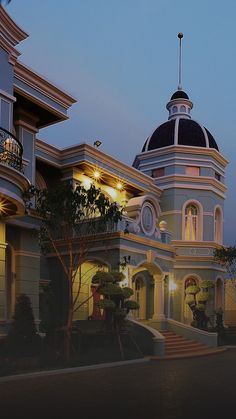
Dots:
{"x": 218, "y": 226}
{"x": 191, "y": 222}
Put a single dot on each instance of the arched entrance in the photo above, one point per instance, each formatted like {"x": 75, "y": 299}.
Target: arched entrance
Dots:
{"x": 148, "y": 286}
{"x": 140, "y": 295}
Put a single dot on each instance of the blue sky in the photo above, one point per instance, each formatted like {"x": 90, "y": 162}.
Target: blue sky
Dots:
{"x": 119, "y": 58}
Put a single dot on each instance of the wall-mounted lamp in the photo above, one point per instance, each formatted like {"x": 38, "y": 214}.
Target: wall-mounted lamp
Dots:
{"x": 97, "y": 143}
{"x": 96, "y": 174}
{"x": 172, "y": 286}
{"x": 119, "y": 186}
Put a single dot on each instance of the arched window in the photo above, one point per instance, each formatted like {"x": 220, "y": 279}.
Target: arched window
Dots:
{"x": 182, "y": 108}
{"x": 191, "y": 221}
{"x": 218, "y": 225}
{"x": 189, "y": 281}
{"x": 175, "y": 109}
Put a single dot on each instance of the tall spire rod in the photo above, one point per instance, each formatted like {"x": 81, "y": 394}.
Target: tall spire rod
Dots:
{"x": 180, "y": 36}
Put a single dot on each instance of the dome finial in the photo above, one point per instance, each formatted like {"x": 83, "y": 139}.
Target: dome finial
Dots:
{"x": 180, "y": 36}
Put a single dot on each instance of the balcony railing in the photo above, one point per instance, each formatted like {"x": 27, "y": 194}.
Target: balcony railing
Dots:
{"x": 11, "y": 150}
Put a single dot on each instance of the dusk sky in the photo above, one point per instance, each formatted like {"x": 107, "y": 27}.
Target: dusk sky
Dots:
{"x": 119, "y": 58}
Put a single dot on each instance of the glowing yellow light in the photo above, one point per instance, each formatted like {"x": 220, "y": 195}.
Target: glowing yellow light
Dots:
{"x": 8, "y": 144}
{"x": 172, "y": 286}
{"x": 119, "y": 186}
{"x": 96, "y": 174}
{"x": 3, "y": 207}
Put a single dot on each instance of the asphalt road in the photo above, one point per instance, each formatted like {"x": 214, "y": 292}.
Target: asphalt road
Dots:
{"x": 200, "y": 388}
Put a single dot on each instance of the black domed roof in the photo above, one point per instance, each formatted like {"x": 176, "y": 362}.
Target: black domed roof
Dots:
{"x": 187, "y": 131}
{"x": 179, "y": 94}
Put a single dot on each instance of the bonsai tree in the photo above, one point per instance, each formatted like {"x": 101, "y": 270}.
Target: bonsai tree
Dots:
{"x": 115, "y": 302}
{"x": 196, "y": 297}
{"x": 71, "y": 218}
{"x": 22, "y": 338}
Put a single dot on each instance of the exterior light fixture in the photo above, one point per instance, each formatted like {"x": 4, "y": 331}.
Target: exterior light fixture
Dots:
{"x": 97, "y": 143}
{"x": 119, "y": 186}
{"x": 172, "y": 286}
{"x": 96, "y": 174}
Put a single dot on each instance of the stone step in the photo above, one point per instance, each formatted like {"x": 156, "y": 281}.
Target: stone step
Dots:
{"x": 191, "y": 354}
{"x": 185, "y": 344}
{"x": 179, "y": 346}
{"x": 170, "y": 351}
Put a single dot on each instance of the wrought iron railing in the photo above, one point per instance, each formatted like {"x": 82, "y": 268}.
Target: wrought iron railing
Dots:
{"x": 11, "y": 150}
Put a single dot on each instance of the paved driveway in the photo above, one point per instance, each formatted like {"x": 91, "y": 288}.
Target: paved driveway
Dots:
{"x": 200, "y": 388}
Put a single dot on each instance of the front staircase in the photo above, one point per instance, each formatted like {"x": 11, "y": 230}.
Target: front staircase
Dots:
{"x": 177, "y": 346}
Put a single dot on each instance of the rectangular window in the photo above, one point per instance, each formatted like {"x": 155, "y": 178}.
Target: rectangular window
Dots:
{"x": 217, "y": 176}
{"x": 158, "y": 172}
{"x": 192, "y": 171}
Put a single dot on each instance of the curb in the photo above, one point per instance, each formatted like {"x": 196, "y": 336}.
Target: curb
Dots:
{"x": 72, "y": 370}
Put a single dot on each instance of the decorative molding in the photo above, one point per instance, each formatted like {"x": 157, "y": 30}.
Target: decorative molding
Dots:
{"x": 39, "y": 102}
{"x": 27, "y": 254}
{"x": 171, "y": 212}
{"x": 197, "y": 187}
{"x": 39, "y": 83}
{"x": 87, "y": 151}
{"x": 7, "y": 96}
{"x": 183, "y": 149}
{"x": 205, "y": 267}
{"x": 10, "y": 30}
{"x": 194, "y": 179}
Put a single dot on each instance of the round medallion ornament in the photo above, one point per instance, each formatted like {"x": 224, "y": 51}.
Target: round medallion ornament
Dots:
{"x": 148, "y": 219}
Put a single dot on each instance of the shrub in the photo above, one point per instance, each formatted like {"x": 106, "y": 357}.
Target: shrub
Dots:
{"x": 22, "y": 338}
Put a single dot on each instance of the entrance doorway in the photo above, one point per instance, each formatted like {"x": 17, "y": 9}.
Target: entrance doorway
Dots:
{"x": 140, "y": 297}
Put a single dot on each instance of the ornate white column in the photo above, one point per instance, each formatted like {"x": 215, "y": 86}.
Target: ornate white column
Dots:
{"x": 158, "y": 298}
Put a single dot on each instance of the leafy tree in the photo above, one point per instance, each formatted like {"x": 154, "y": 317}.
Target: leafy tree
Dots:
{"x": 22, "y": 338}
{"x": 71, "y": 217}
{"x": 226, "y": 257}
{"x": 196, "y": 298}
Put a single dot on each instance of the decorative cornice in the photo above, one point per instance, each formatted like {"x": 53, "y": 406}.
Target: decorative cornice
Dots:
{"x": 185, "y": 243}
{"x": 10, "y": 35}
{"x": 39, "y": 83}
{"x": 10, "y": 30}
{"x": 101, "y": 159}
{"x": 194, "y": 179}
{"x": 182, "y": 149}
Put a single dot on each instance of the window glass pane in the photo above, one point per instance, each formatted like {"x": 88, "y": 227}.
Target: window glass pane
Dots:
{"x": 192, "y": 171}
{"x": 158, "y": 172}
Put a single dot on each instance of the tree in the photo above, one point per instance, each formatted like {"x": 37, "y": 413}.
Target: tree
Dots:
{"x": 22, "y": 338}
{"x": 115, "y": 302}
{"x": 196, "y": 298}
{"x": 71, "y": 217}
{"x": 226, "y": 257}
